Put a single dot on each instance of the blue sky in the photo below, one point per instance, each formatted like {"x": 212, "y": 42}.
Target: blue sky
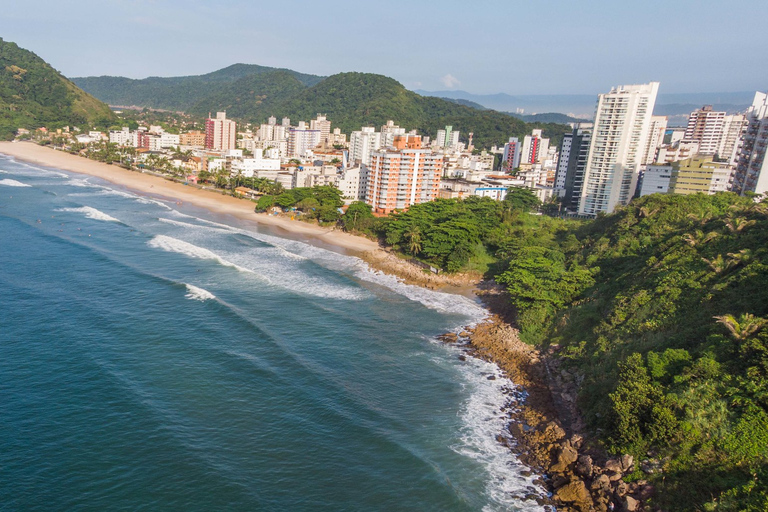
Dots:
{"x": 544, "y": 47}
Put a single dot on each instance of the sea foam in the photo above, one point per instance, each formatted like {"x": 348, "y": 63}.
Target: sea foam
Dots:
{"x": 484, "y": 419}
{"x": 91, "y": 213}
{"x": 13, "y": 183}
{"x": 195, "y": 293}
{"x": 170, "y": 244}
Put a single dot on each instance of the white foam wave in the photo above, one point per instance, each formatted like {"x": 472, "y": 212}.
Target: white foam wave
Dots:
{"x": 439, "y": 301}
{"x": 181, "y": 224}
{"x": 170, "y": 244}
{"x": 13, "y": 183}
{"x": 91, "y": 213}
{"x": 38, "y": 170}
{"x": 483, "y": 419}
{"x": 195, "y": 293}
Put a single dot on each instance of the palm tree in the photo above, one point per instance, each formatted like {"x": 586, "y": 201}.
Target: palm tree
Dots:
{"x": 698, "y": 237}
{"x": 414, "y": 239}
{"x": 746, "y": 325}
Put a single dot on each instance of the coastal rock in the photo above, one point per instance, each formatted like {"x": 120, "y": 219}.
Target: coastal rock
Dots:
{"x": 613, "y": 466}
{"x": 574, "y": 492}
{"x": 553, "y": 432}
{"x": 584, "y": 466}
{"x": 627, "y": 461}
{"x": 566, "y": 456}
{"x": 630, "y": 504}
{"x": 601, "y": 484}
{"x": 449, "y": 337}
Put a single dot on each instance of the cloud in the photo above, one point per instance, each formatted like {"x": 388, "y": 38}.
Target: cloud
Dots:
{"x": 450, "y": 81}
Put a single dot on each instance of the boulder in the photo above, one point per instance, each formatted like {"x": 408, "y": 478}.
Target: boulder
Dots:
{"x": 630, "y": 504}
{"x": 553, "y": 432}
{"x": 601, "y": 483}
{"x": 627, "y": 461}
{"x": 584, "y": 466}
{"x": 613, "y": 466}
{"x": 574, "y": 492}
{"x": 566, "y": 456}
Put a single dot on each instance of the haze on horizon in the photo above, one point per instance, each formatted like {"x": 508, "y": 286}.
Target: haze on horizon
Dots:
{"x": 497, "y": 46}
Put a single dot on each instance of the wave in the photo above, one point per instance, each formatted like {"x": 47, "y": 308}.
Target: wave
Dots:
{"x": 195, "y": 293}
{"x": 91, "y": 213}
{"x": 181, "y": 224}
{"x": 13, "y": 183}
{"x": 483, "y": 419}
{"x": 170, "y": 244}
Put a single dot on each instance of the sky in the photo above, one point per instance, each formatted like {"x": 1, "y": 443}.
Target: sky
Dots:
{"x": 484, "y": 47}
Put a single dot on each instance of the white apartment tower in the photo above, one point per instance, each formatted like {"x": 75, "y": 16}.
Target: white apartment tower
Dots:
{"x": 751, "y": 171}
{"x": 655, "y": 139}
{"x": 621, "y": 131}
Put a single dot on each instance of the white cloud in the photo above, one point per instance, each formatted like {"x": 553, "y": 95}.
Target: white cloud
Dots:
{"x": 450, "y": 81}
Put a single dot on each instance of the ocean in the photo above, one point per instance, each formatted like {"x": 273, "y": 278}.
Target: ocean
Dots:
{"x": 157, "y": 356}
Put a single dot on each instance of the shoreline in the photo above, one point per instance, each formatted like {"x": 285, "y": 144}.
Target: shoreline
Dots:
{"x": 243, "y": 209}
{"x": 545, "y": 430}
{"x": 536, "y": 431}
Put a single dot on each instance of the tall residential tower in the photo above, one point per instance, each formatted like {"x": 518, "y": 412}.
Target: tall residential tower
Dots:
{"x": 619, "y": 139}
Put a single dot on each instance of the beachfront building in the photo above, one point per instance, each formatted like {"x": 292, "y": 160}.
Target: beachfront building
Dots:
{"x": 400, "y": 176}
{"x": 220, "y": 132}
{"x": 751, "y": 171}
{"x": 621, "y": 130}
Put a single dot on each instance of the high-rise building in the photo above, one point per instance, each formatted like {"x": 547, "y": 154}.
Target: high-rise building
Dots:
{"x": 705, "y": 126}
{"x": 751, "y": 170}
{"x": 302, "y": 140}
{"x": 323, "y": 126}
{"x": 447, "y": 138}
{"x": 510, "y": 159}
{"x": 398, "y": 178}
{"x": 220, "y": 132}
{"x": 362, "y": 143}
{"x": 619, "y": 137}
{"x": 655, "y": 138}
{"x": 571, "y": 165}
{"x": 534, "y": 149}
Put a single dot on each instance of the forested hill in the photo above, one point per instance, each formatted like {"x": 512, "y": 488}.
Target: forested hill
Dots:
{"x": 33, "y": 94}
{"x": 661, "y": 311}
{"x": 180, "y": 92}
{"x": 350, "y": 100}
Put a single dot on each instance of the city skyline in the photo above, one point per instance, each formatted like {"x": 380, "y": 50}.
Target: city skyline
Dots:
{"x": 570, "y": 48}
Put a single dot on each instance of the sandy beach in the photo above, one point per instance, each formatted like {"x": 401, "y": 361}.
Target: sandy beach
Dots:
{"x": 214, "y": 201}
{"x": 211, "y": 200}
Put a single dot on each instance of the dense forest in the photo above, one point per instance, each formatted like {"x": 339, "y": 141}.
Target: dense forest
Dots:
{"x": 661, "y": 308}
{"x": 33, "y": 94}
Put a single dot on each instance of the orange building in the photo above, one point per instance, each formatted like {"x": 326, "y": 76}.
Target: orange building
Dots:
{"x": 404, "y": 175}
{"x": 193, "y": 138}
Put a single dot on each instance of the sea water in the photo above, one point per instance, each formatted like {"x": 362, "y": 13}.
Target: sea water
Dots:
{"x": 155, "y": 356}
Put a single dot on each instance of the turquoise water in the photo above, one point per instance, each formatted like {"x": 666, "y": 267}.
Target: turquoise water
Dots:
{"x": 154, "y": 356}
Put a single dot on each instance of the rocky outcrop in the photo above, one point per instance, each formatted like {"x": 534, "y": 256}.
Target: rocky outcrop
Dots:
{"x": 547, "y": 429}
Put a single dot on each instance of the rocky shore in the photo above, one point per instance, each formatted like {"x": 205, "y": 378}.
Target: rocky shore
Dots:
{"x": 545, "y": 431}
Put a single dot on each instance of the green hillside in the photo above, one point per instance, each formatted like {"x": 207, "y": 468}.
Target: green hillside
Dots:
{"x": 250, "y": 97}
{"x": 665, "y": 324}
{"x": 352, "y": 100}
{"x": 176, "y": 93}
{"x": 33, "y": 94}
